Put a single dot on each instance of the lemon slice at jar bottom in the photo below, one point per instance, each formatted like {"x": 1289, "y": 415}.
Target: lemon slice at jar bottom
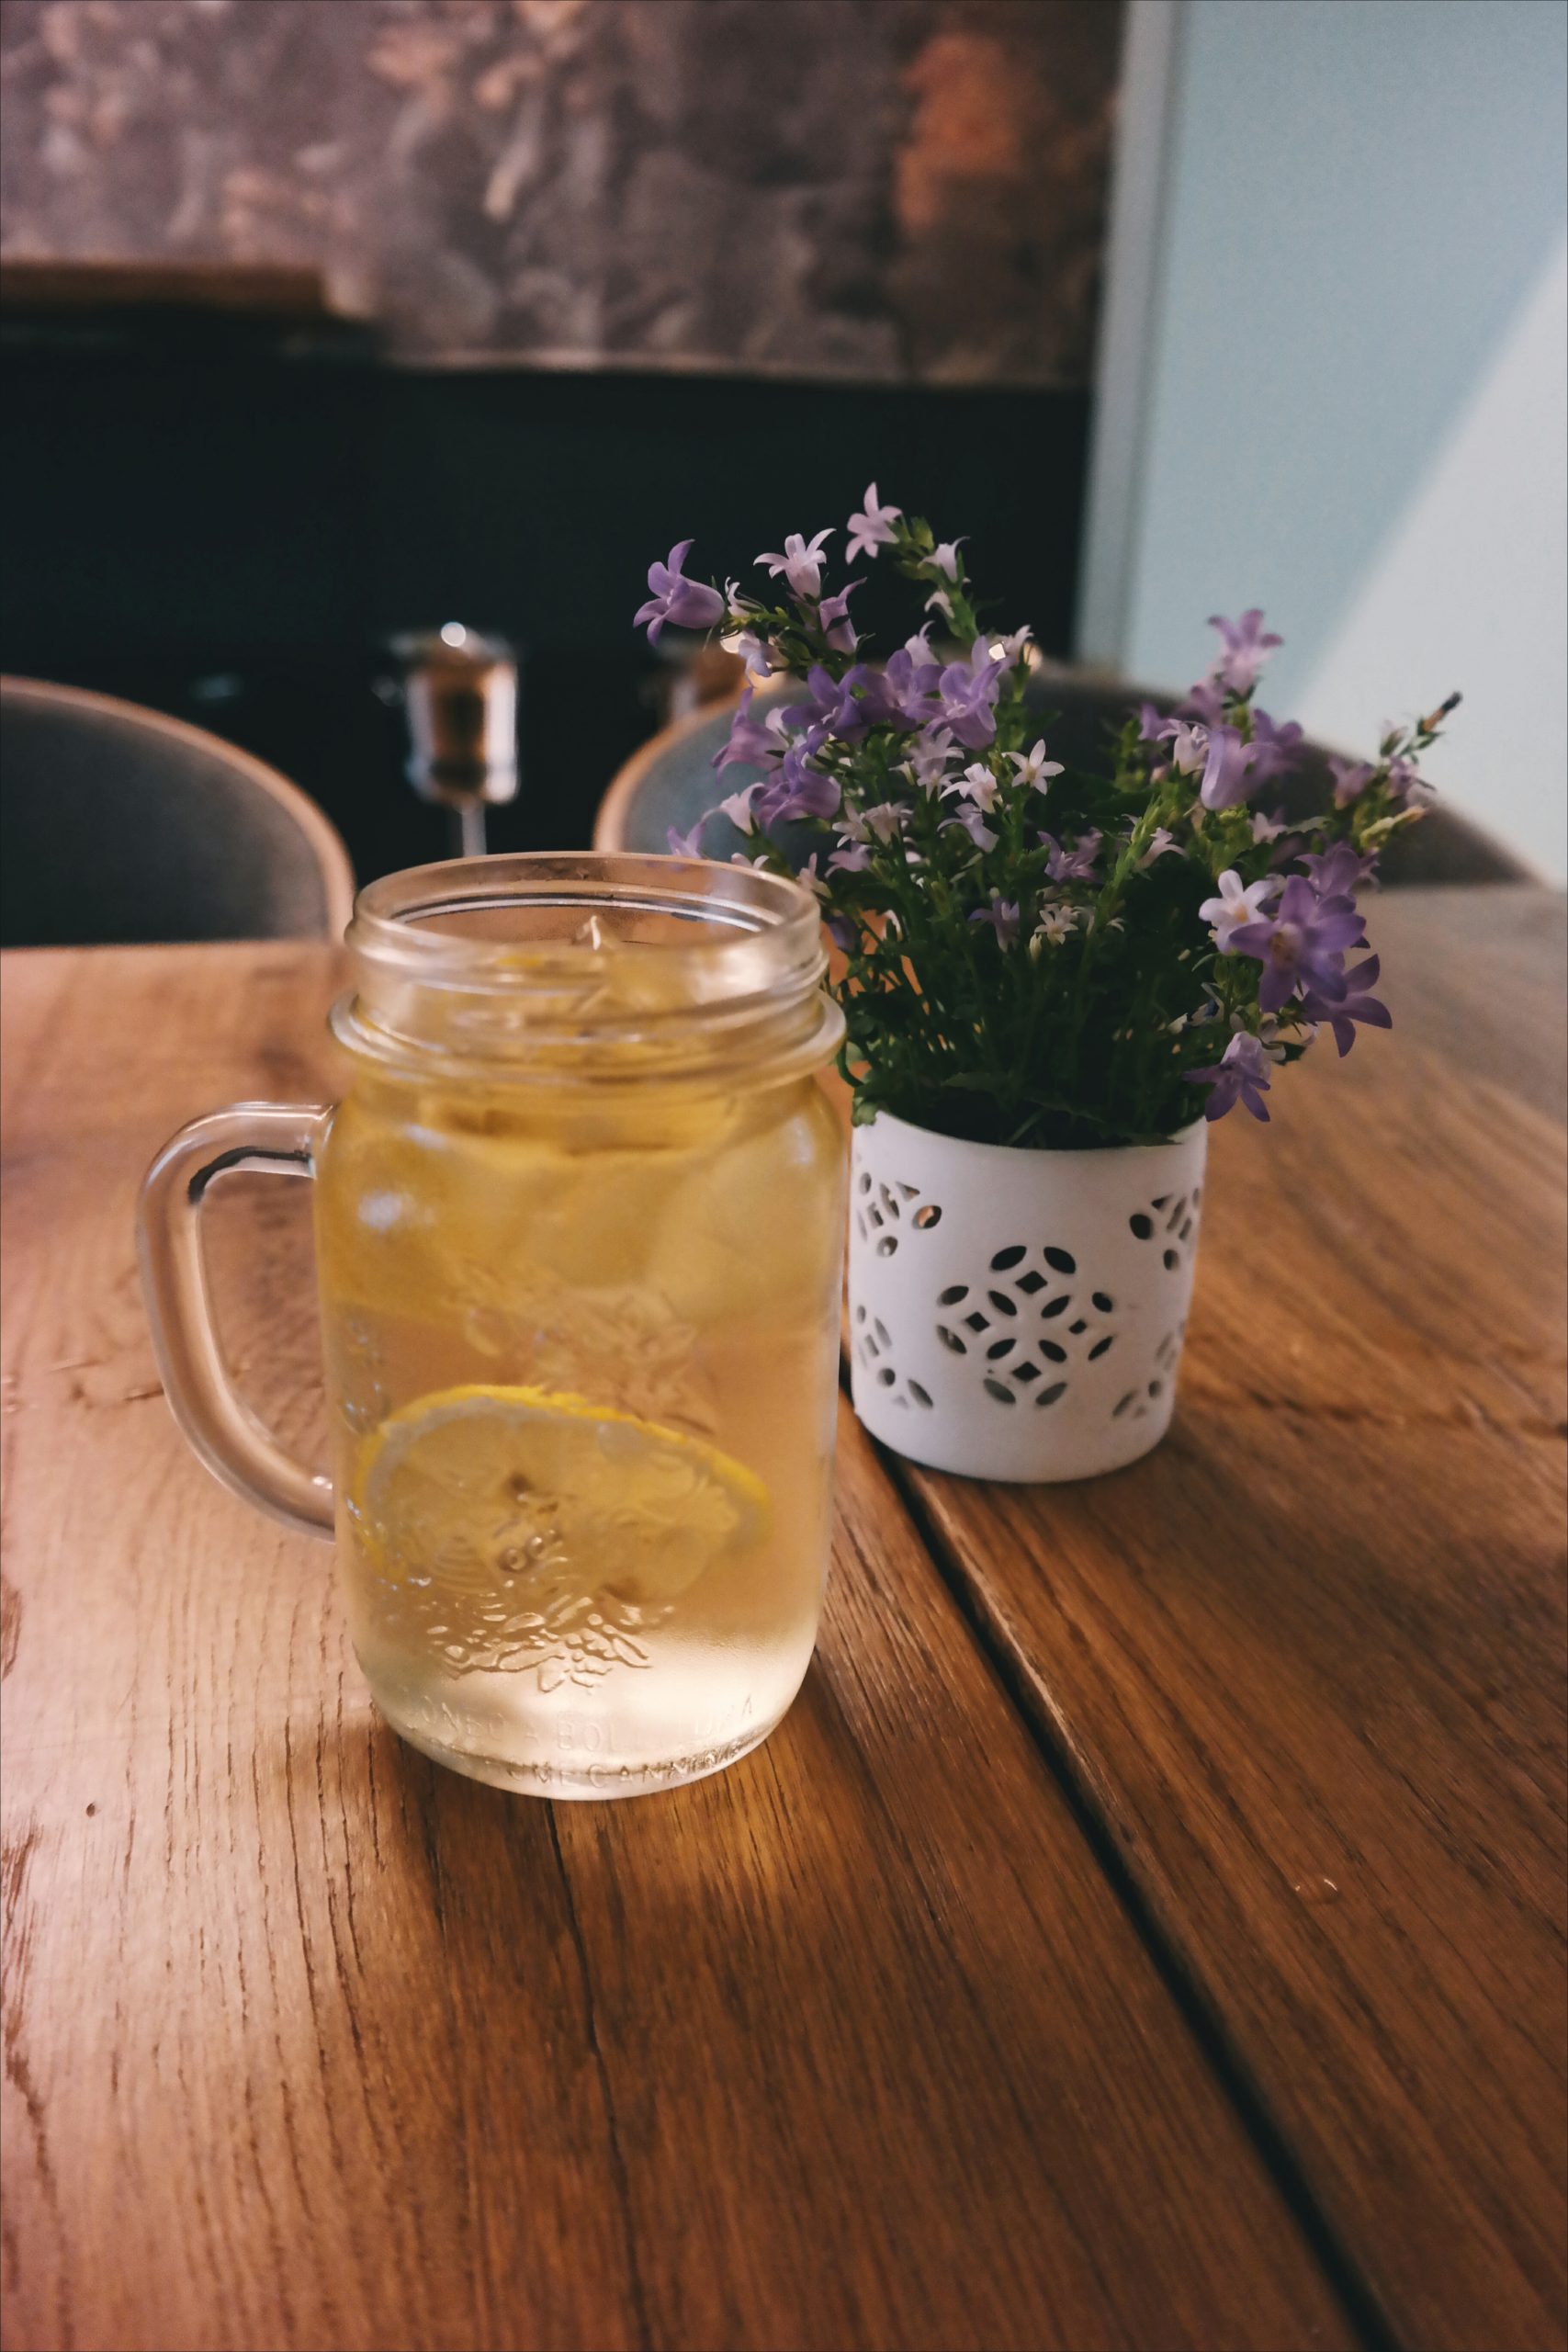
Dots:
{"x": 528, "y": 1489}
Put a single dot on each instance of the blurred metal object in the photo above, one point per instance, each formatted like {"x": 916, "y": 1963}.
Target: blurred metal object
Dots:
{"x": 706, "y": 676}
{"x": 459, "y": 694}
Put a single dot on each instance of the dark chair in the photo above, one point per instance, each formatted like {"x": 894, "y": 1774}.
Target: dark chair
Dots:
{"x": 120, "y": 826}
{"x": 671, "y": 780}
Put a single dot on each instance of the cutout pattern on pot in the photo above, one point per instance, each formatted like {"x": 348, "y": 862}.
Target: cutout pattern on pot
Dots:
{"x": 1170, "y": 1221}
{"x": 1033, "y": 1323}
{"x": 1137, "y": 1403}
{"x": 1026, "y": 1321}
{"x": 873, "y": 1348}
{"x": 883, "y": 1213}
{"x": 1017, "y": 1322}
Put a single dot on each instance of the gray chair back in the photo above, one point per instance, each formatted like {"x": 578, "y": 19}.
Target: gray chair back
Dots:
{"x": 120, "y": 826}
{"x": 671, "y": 780}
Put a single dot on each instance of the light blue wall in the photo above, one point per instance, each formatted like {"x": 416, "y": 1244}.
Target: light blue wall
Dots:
{"x": 1359, "y": 198}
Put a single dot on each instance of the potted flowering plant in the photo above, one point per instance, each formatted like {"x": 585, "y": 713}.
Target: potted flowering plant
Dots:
{"x": 1053, "y": 979}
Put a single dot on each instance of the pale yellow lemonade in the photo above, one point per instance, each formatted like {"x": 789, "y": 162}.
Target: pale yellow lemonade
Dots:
{"x": 581, "y": 1348}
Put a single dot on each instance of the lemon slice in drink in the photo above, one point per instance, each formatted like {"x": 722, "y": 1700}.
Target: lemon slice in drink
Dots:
{"x": 538, "y": 1493}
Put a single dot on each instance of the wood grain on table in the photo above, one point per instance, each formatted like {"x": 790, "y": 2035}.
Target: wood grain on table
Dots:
{"x": 1002, "y": 1999}
{"x": 314, "y": 2044}
{"x": 1306, "y": 1663}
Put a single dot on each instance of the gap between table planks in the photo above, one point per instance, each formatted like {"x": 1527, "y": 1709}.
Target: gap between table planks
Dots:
{"x": 310, "y": 2043}
{"x": 1304, "y": 1665}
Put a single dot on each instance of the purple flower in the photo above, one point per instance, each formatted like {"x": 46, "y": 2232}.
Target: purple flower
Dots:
{"x": 1405, "y": 784}
{"x": 846, "y": 706}
{"x": 1275, "y": 747}
{"x": 1227, "y": 778}
{"x": 852, "y": 858}
{"x": 970, "y": 820}
{"x": 1354, "y": 1005}
{"x": 1153, "y": 726}
{"x": 844, "y": 933}
{"x": 833, "y": 614}
{"x": 1302, "y": 945}
{"x": 1245, "y": 648}
{"x": 1205, "y": 701}
{"x": 1002, "y": 916}
{"x": 1076, "y": 864}
{"x": 675, "y": 598}
{"x": 871, "y": 528}
{"x": 1240, "y": 1076}
{"x": 760, "y": 658}
{"x": 687, "y": 845}
{"x": 753, "y": 741}
{"x": 1337, "y": 872}
{"x": 969, "y": 691}
{"x": 1352, "y": 778}
{"x": 800, "y": 563}
{"x": 911, "y": 678}
{"x": 798, "y": 789}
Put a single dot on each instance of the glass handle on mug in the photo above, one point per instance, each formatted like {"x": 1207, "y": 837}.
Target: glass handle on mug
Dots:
{"x": 281, "y": 1139}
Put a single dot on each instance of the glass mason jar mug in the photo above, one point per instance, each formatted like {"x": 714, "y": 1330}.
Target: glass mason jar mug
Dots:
{"x": 579, "y": 1221}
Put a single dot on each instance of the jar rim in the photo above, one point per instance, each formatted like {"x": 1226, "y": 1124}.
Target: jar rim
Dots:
{"x": 523, "y": 959}
{"x": 391, "y": 915}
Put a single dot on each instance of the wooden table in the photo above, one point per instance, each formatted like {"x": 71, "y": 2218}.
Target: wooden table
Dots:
{"x": 1146, "y": 1929}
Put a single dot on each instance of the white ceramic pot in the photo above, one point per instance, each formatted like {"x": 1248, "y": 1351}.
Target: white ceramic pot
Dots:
{"x": 1019, "y": 1314}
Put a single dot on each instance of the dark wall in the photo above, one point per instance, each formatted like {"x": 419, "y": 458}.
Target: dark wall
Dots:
{"x": 230, "y": 533}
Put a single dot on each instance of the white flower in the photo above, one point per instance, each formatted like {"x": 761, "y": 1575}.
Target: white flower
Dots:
{"x": 939, "y": 601}
{"x": 945, "y": 558}
{"x": 871, "y": 528}
{"x": 1236, "y": 905}
{"x": 976, "y": 784}
{"x": 928, "y": 760}
{"x": 1189, "y": 747}
{"x": 1008, "y": 649}
{"x": 738, "y": 808}
{"x": 879, "y": 823}
{"x": 800, "y": 563}
{"x": 1266, "y": 829}
{"x": 808, "y": 875}
{"x": 1161, "y": 841}
{"x": 1034, "y": 767}
{"x": 1054, "y": 925}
